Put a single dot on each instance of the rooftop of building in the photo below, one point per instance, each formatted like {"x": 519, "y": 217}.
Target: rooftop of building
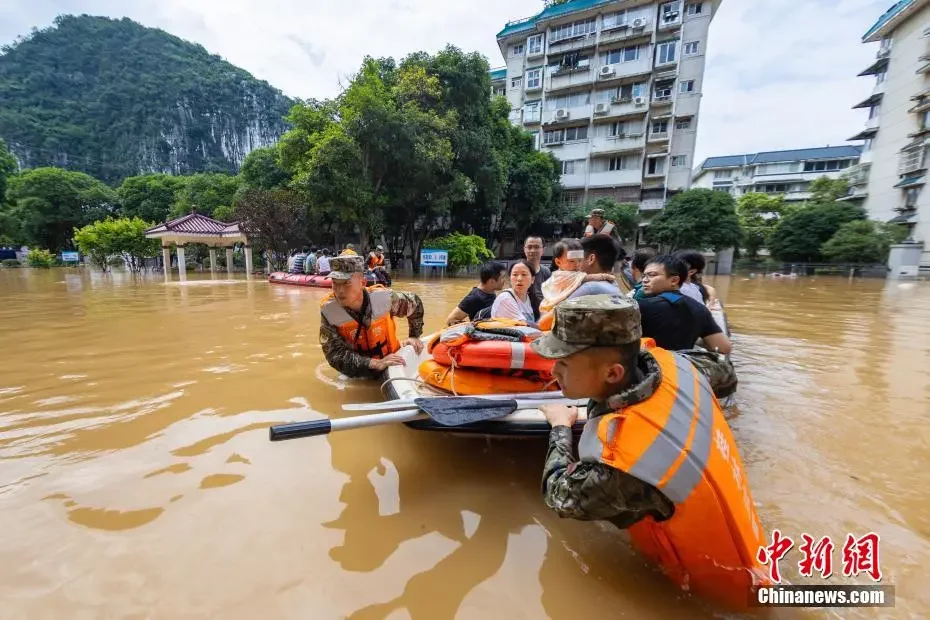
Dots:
{"x": 770, "y": 157}
{"x": 498, "y": 74}
{"x": 891, "y": 19}
{"x": 549, "y": 12}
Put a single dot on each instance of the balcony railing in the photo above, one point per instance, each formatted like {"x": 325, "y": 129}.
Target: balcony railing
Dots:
{"x": 651, "y": 204}
{"x": 658, "y": 136}
{"x": 911, "y": 161}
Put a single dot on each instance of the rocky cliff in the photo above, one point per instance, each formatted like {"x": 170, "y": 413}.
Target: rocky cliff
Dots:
{"x": 113, "y": 98}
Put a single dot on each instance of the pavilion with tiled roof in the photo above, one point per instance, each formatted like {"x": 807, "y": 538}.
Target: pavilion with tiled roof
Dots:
{"x": 197, "y": 228}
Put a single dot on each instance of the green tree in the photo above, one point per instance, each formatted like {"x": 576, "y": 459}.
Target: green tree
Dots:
{"x": 758, "y": 216}
{"x": 262, "y": 169}
{"x": 204, "y": 192}
{"x": 861, "y": 241}
{"x": 698, "y": 219}
{"x": 42, "y": 259}
{"x": 7, "y": 167}
{"x": 150, "y": 196}
{"x": 274, "y": 221}
{"x": 625, "y": 216}
{"x": 225, "y": 213}
{"x": 800, "y": 234}
{"x": 825, "y": 190}
{"x": 51, "y": 202}
{"x": 464, "y": 250}
{"x": 125, "y": 237}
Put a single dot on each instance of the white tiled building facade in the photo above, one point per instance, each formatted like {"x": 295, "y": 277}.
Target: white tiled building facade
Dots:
{"x": 613, "y": 89}
{"x": 892, "y": 172}
{"x": 785, "y": 173}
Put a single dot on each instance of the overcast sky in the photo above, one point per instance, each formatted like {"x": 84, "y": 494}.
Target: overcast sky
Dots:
{"x": 780, "y": 73}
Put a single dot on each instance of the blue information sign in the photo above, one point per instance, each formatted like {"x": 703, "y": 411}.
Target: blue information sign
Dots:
{"x": 70, "y": 257}
{"x": 434, "y": 258}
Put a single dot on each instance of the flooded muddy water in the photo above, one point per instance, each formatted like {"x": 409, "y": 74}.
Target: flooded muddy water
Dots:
{"x": 137, "y": 479}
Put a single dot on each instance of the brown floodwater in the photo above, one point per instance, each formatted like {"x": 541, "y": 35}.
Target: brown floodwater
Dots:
{"x": 137, "y": 479}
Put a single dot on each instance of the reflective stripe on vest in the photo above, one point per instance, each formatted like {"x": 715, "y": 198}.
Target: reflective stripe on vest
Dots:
{"x": 517, "y": 355}
{"x": 676, "y": 459}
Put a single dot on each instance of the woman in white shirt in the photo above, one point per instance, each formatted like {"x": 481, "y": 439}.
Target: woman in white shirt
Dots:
{"x": 322, "y": 263}
{"x": 514, "y": 302}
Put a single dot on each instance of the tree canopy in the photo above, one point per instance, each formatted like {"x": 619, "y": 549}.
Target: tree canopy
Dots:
{"x": 758, "y": 216}
{"x": 149, "y": 197}
{"x": 800, "y": 234}
{"x": 699, "y": 219}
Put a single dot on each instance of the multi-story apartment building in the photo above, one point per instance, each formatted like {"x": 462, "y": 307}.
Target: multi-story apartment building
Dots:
{"x": 788, "y": 173}
{"x": 893, "y": 167}
{"x": 613, "y": 89}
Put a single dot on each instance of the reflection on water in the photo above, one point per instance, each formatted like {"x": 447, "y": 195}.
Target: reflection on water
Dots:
{"x": 136, "y": 472}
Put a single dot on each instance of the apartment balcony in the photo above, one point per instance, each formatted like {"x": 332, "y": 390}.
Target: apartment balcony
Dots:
{"x": 666, "y": 71}
{"x": 618, "y": 71}
{"x": 661, "y": 101}
{"x": 564, "y": 116}
{"x": 516, "y": 117}
{"x": 610, "y": 145}
{"x": 854, "y": 194}
{"x": 652, "y": 204}
{"x": 865, "y": 157}
{"x": 659, "y": 136}
{"x": 654, "y": 181}
{"x": 574, "y": 181}
{"x": 571, "y": 44}
{"x": 795, "y": 196}
{"x": 569, "y": 78}
{"x": 615, "y": 177}
{"x": 532, "y": 117}
{"x": 626, "y": 34}
{"x": 620, "y": 107}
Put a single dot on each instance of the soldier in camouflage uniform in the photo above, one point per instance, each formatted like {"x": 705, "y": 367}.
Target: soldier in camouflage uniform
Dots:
{"x": 348, "y": 276}
{"x": 592, "y": 336}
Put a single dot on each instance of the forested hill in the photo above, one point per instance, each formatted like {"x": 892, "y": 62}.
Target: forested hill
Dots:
{"x": 113, "y": 98}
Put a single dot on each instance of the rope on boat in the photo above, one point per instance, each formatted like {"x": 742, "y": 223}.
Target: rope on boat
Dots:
{"x": 392, "y": 379}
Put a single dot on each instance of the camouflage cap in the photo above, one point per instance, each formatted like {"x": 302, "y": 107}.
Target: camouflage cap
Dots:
{"x": 344, "y": 267}
{"x": 590, "y": 321}
{"x": 597, "y": 212}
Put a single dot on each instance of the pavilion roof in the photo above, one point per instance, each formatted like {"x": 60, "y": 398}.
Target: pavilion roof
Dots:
{"x": 197, "y": 224}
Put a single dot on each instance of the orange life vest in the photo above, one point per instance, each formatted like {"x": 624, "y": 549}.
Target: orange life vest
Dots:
{"x": 679, "y": 442}
{"x": 379, "y": 339}
{"x": 375, "y": 261}
{"x": 492, "y": 354}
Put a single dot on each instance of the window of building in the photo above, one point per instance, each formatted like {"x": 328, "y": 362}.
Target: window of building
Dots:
{"x": 576, "y": 29}
{"x": 667, "y": 52}
{"x": 570, "y": 62}
{"x": 572, "y": 100}
{"x": 532, "y": 112}
{"x": 499, "y": 91}
{"x": 826, "y": 166}
{"x": 576, "y": 133}
{"x": 670, "y": 11}
{"x": 663, "y": 91}
{"x": 621, "y": 94}
{"x": 571, "y": 199}
{"x": 623, "y": 162}
{"x": 694, "y": 8}
{"x": 533, "y": 78}
{"x": 659, "y": 127}
{"x": 874, "y": 111}
{"x": 617, "y": 56}
{"x": 679, "y": 161}
{"x": 686, "y": 87}
{"x": 615, "y": 20}
{"x": 516, "y": 82}
{"x": 564, "y": 135}
{"x": 656, "y": 165}
{"x": 516, "y": 50}
{"x": 911, "y": 195}
{"x": 880, "y": 77}
{"x": 867, "y": 145}
{"x": 722, "y": 174}
{"x": 572, "y": 166}
{"x": 534, "y": 44}
{"x": 535, "y": 135}
{"x": 683, "y": 123}
{"x": 925, "y": 120}
{"x": 692, "y": 48}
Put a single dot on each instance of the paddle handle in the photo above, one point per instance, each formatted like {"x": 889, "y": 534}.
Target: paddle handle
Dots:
{"x": 313, "y": 428}
{"x": 403, "y": 403}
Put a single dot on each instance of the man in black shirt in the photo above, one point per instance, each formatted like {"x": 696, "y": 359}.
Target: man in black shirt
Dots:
{"x": 673, "y": 320}
{"x": 482, "y": 296}
{"x": 533, "y": 251}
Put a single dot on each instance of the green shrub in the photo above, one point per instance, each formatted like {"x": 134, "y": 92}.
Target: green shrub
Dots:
{"x": 464, "y": 250}
{"x": 40, "y": 258}
{"x": 10, "y": 263}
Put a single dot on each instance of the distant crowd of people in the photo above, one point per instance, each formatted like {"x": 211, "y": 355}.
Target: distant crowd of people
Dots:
{"x": 674, "y": 302}
{"x": 316, "y": 261}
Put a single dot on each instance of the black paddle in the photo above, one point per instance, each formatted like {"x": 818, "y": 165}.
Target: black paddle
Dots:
{"x": 451, "y": 412}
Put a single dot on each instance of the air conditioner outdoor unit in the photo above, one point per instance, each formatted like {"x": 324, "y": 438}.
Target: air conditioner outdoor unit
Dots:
{"x": 601, "y": 108}
{"x": 639, "y": 101}
{"x": 606, "y": 71}
{"x": 639, "y": 22}
{"x": 561, "y": 114}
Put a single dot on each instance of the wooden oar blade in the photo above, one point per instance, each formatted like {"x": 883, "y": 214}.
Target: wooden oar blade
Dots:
{"x": 465, "y": 410}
